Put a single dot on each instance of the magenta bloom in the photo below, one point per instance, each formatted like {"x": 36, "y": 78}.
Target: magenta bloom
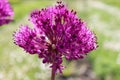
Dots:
{"x": 6, "y": 12}
{"x": 57, "y": 33}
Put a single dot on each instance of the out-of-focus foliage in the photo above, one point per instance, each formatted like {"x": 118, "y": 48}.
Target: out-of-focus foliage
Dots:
{"x": 15, "y": 1}
{"x": 112, "y": 2}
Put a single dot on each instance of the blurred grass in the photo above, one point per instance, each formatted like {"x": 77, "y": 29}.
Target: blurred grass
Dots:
{"x": 27, "y": 6}
{"x": 115, "y": 3}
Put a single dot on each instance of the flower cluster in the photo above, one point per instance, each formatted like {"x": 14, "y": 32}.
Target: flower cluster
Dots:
{"x": 57, "y": 33}
{"x": 6, "y": 12}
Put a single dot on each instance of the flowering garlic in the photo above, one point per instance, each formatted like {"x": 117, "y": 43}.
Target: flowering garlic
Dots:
{"x": 6, "y": 12}
{"x": 57, "y": 33}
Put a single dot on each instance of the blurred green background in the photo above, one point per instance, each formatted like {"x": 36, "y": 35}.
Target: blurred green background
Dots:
{"x": 102, "y": 17}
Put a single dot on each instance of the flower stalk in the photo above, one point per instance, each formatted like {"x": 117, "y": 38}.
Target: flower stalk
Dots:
{"x": 52, "y": 74}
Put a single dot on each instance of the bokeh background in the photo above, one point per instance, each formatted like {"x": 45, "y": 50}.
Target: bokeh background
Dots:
{"x": 102, "y": 17}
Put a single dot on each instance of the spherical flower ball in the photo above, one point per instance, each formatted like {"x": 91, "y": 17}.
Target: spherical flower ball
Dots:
{"x": 57, "y": 33}
{"x": 6, "y": 12}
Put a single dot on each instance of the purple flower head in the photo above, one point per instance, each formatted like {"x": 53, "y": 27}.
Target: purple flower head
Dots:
{"x": 57, "y": 33}
{"x": 6, "y": 12}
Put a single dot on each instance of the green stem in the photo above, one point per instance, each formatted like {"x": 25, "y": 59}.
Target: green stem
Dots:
{"x": 53, "y": 74}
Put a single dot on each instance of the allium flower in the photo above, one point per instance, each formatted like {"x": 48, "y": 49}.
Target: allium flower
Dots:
{"x": 57, "y": 33}
{"x": 6, "y": 12}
